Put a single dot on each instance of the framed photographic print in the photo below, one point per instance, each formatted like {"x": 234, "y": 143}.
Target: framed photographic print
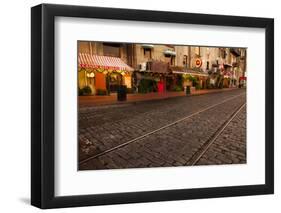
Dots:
{"x": 139, "y": 106}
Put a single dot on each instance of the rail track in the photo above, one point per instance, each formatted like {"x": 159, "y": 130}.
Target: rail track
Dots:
{"x": 196, "y": 157}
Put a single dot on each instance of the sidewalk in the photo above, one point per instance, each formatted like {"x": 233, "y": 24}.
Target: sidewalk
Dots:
{"x": 88, "y": 101}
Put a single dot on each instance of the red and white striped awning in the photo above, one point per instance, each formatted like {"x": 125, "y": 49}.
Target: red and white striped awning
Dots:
{"x": 86, "y": 60}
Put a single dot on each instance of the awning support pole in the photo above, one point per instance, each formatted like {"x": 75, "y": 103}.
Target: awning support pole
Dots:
{"x": 85, "y": 76}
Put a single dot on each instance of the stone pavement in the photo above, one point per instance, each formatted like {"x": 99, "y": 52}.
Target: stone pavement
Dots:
{"x": 230, "y": 146}
{"x": 104, "y": 127}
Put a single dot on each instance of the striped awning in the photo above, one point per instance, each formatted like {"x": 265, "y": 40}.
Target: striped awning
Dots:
{"x": 86, "y": 60}
{"x": 183, "y": 70}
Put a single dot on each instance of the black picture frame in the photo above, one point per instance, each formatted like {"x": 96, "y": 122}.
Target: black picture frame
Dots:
{"x": 43, "y": 102}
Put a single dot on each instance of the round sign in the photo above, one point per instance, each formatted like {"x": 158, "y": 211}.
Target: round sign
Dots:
{"x": 198, "y": 62}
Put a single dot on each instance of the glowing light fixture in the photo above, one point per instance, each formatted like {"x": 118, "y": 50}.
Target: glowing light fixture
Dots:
{"x": 91, "y": 75}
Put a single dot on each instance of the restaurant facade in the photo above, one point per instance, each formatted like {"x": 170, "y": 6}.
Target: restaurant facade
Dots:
{"x": 146, "y": 68}
{"x": 104, "y": 66}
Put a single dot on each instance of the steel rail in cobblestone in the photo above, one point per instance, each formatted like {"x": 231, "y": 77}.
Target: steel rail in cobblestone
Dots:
{"x": 156, "y": 130}
{"x": 197, "y": 156}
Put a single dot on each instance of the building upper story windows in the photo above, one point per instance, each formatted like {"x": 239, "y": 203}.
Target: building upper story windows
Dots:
{"x": 111, "y": 49}
{"x": 185, "y": 60}
{"x": 147, "y": 53}
{"x": 173, "y": 59}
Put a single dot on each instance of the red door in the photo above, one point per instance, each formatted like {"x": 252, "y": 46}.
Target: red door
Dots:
{"x": 160, "y": 86}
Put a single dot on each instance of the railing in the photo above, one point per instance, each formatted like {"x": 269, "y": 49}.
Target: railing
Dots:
{"x": 235, "y": 51}
{"x": 157, "y": 66}
{"x": 235, "y": 64}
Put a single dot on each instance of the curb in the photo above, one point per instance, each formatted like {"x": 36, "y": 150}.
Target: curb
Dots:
{"x": 121, "y": 103}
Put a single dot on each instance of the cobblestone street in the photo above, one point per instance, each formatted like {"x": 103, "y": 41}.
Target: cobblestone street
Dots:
{"x": 170, "y": 132}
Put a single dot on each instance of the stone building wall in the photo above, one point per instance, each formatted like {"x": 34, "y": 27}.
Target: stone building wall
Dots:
{"x": 157, "y": 53}
{"x": 182, "y": 57}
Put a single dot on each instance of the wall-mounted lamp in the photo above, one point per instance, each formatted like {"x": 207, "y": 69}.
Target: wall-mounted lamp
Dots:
{"x": 90, "y": 75}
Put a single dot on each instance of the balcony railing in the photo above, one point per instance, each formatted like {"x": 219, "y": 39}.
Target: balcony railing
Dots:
{"x": 235, "y": 64}
{"x": 157, "y": 66}
{"x": 235, "y": 51}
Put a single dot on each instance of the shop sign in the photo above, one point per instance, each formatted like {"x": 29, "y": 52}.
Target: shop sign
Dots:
{"x": 198, "y": 62}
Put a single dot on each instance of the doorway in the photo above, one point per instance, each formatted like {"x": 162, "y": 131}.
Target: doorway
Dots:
{"x": 115, "y": 80}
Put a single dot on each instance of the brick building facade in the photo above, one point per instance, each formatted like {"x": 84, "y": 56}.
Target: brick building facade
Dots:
{"x": 166, "y": 66}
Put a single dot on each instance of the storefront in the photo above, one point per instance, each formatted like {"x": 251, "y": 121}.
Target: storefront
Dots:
{"x": 242, "y": 81}
{"x": 152, "y": 78}
{"x": 103, "y": 74}
{"x": 228, "y": 80}
{"x": 183, "y": 77}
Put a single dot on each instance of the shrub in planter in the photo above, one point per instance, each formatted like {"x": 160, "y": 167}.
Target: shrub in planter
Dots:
{"x": 101, "y": 92}
{"x": 194, "y": 80}
{"x": 179, "y": 80}
{"x": 147, "y": 85}
{"x": 197, "y": 87}
{"x": 86, "y": 90}
{"x": 177, "y": 88}
{"x": 80, "y": 91}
